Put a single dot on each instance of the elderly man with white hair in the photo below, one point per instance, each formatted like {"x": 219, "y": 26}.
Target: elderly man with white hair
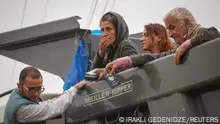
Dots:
{"x": 183, "y": 28}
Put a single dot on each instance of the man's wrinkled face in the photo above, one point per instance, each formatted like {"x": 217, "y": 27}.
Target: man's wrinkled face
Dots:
{"x": 31, "y": 88}
{"x": 175, "y": 29}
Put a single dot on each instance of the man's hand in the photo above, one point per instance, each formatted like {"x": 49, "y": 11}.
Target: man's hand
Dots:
{"x": 180, "y": 51}
{"x": 81, "y": 84}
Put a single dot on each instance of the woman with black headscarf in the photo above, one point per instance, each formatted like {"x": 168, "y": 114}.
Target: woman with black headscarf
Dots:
{"x": 114, "y": 42}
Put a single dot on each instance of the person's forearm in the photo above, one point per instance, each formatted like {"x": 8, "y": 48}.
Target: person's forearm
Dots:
{"x": 141, "y": 59}
{"x": 47, "y": 109}
{"x": 124, "y": 62}
{"x": 133, "y": 61}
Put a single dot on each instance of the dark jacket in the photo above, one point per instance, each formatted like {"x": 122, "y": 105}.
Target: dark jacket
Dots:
{"x": 197, "y": 36}
{"x": 124, "y": 46}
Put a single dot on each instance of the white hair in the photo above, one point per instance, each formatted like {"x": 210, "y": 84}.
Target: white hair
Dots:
{"x": 181, "y": 14}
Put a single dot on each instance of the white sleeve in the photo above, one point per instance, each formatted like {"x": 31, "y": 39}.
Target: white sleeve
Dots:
{"x": 46, "y": 109}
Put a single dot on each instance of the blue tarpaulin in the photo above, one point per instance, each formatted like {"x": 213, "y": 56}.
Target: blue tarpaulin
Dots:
{"x": 78, "y": 67}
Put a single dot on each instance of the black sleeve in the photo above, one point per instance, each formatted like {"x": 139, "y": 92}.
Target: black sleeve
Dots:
{"x": 141, "y": 59}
